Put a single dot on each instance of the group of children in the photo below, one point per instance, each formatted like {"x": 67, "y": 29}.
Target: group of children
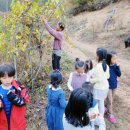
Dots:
{"x": 92, "y": 93}
{"x": 102, "y": 78}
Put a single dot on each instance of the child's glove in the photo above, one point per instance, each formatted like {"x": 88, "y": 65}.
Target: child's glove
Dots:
{"x": 1, "y": 104}
{"x": 15, "y": 99}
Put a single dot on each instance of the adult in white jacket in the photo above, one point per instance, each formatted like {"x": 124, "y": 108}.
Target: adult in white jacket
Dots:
{"x": 99, "y": 77}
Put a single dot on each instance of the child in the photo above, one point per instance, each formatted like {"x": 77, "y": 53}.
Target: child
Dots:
{"x": 56, "y": 102}
{"x": 57, "y": 45}
{"x": 78, "y": 77}
{"x": 114, "y": 73}
{"x": 13, "y": 98}
{"x": 88, "y": 68}
{"x": 99, "y": 77}
{"x": 77, "y": 116}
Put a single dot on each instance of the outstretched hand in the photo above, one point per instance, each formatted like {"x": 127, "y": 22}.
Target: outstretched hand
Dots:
{"x": 93, "y": 116}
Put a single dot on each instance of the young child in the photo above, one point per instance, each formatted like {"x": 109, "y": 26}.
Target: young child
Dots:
{"x": 99, "y": 77}
{"x": 77, "y": 115}
{"x": 57, "y": 45}
{"x": 56, "y": 102}
{"x": 113, "y": 83}
{"x": 88, "y": 68}
{"x": 13, "y": 98}
{"x": 78, "y": 77}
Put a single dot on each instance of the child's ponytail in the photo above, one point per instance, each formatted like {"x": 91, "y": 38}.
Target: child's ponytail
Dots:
{"x": 88, "y": 66}
{"x": 104, "y": 65}
{"x": 56, "y": 78}
{"x": 77, "y": 59}
{"x": 79, "y": 63}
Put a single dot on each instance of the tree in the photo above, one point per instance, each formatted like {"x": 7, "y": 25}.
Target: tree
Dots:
{"x": 23, "y": 38}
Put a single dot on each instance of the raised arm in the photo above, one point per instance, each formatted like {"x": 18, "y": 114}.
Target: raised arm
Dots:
{"x": 52, "y": 31}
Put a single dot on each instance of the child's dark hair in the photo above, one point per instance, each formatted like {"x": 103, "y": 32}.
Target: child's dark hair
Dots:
{"x": 79, "y": 63}
{"x": 77, "y": 59}
{"x": 109, "y": 56}
{"x": 87, "y": 67}
{"x": 79, "y": 104}
{"x": 87, "y": 86}
{"x": 56, "y": 78}
{"x": 127, "y": 42}
{"x": 61, "y": 25}
{"x": 102, "y": 54}
{"x": 7, "y": 69}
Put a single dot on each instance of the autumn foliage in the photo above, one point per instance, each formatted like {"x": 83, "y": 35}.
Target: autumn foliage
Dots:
{"x": 23, "y": 39}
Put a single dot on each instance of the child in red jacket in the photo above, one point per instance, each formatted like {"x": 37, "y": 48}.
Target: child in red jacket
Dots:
{"x": 13, "y": 98}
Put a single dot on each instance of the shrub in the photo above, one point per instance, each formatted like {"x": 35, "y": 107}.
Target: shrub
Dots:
{"x": 77, "y": 6}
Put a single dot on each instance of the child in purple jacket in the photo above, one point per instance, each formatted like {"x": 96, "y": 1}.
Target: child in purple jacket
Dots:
{"x": 57, "y": 45}
{"x": 78, "y": 77}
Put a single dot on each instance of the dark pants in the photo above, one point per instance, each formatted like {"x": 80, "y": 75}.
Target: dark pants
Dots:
{"x": 56, "y": 62}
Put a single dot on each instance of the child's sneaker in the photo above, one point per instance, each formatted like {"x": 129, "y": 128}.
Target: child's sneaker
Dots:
{"x": 112, "y": 119}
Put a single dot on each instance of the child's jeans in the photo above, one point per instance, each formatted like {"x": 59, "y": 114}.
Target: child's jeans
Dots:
{"x": 110, "y": 98}
{"x": 56, "y": 62}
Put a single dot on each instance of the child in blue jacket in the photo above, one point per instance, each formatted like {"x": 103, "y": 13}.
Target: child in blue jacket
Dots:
{"x": 56, "y": 102}
{"x": 113, "y": 83}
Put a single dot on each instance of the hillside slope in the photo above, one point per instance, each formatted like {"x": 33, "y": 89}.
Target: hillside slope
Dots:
{"x": 87, "y": 34}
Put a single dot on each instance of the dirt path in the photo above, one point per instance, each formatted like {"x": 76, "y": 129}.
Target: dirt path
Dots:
{"x": 122, "y": 100}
